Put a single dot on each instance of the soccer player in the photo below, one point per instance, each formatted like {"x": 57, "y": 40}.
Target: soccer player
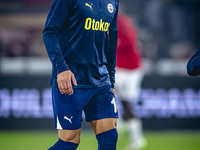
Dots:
{"x": 81, "y": 39}
{"x": 193, "y": 66}
{"x": 129, "y": 74}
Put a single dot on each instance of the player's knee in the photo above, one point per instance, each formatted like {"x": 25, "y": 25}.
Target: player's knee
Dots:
{"x": 115, "y": 123}
{"x": 100, "y": 126}
{"x": 63, "y": 145}
{"x": 107, "y": 140}
{"x": 70, "y": 135}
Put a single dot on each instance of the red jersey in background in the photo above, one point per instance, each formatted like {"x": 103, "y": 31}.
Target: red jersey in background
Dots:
{"x": 128, "y": 54}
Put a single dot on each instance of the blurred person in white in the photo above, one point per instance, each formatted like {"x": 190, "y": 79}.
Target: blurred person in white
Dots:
{"x": 129, "y": 74}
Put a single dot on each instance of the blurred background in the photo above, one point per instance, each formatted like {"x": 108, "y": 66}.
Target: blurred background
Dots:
{"x": 169, "y": 101}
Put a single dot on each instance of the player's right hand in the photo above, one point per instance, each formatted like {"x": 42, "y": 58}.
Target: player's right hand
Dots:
{"x": 64, "y": 82}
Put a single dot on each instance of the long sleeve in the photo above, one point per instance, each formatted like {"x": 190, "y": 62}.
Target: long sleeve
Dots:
{"x": 193, "y": 66}
{"x": 57, "y": 16}
{"x": 113, "y": 34}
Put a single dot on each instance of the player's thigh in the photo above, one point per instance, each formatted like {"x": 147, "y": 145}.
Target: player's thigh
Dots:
{"x": 67, "y": 115}
{"x": 102, "y": 105}
{"x": 67, "y": 110}
{"x": 70, "y": 135}
{"x": 102, "y": 111}
{"x": 103, "y": 125}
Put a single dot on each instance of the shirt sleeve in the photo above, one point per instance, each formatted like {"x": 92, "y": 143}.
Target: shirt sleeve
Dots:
{"x": 193, "y": 66}
{"x": 113, "y": 34}
{"x": 56, "y": 18}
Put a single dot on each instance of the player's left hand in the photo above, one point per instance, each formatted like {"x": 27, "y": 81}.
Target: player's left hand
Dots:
{"x": 113, "y": 90}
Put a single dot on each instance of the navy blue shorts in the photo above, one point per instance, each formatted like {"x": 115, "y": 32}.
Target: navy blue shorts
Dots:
{"x": 97, "y": 103}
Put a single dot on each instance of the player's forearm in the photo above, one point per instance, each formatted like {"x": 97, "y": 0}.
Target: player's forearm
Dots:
{"x": 112, "y": 56}
{"x": 54, "y": 52}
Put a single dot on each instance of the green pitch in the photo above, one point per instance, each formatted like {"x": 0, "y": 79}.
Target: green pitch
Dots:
{"x": 42, "y": 140}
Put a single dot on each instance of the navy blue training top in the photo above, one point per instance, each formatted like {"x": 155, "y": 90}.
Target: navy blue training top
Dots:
{"x": 81, "y": 36}
{"x": 193, "y": 66}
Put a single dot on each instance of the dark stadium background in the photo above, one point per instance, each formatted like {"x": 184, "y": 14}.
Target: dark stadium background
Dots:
{"x": 169, "y": 103}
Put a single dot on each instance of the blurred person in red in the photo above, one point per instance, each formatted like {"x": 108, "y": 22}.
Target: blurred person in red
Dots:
{"x": 129, "y": 74}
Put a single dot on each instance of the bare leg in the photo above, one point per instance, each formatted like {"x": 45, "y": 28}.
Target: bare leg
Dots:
{"x": 68, "y": 139}
{"x": 106, "y": 133}
{"x": 103, "y": 125}
{"x": 70, "y": 135}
